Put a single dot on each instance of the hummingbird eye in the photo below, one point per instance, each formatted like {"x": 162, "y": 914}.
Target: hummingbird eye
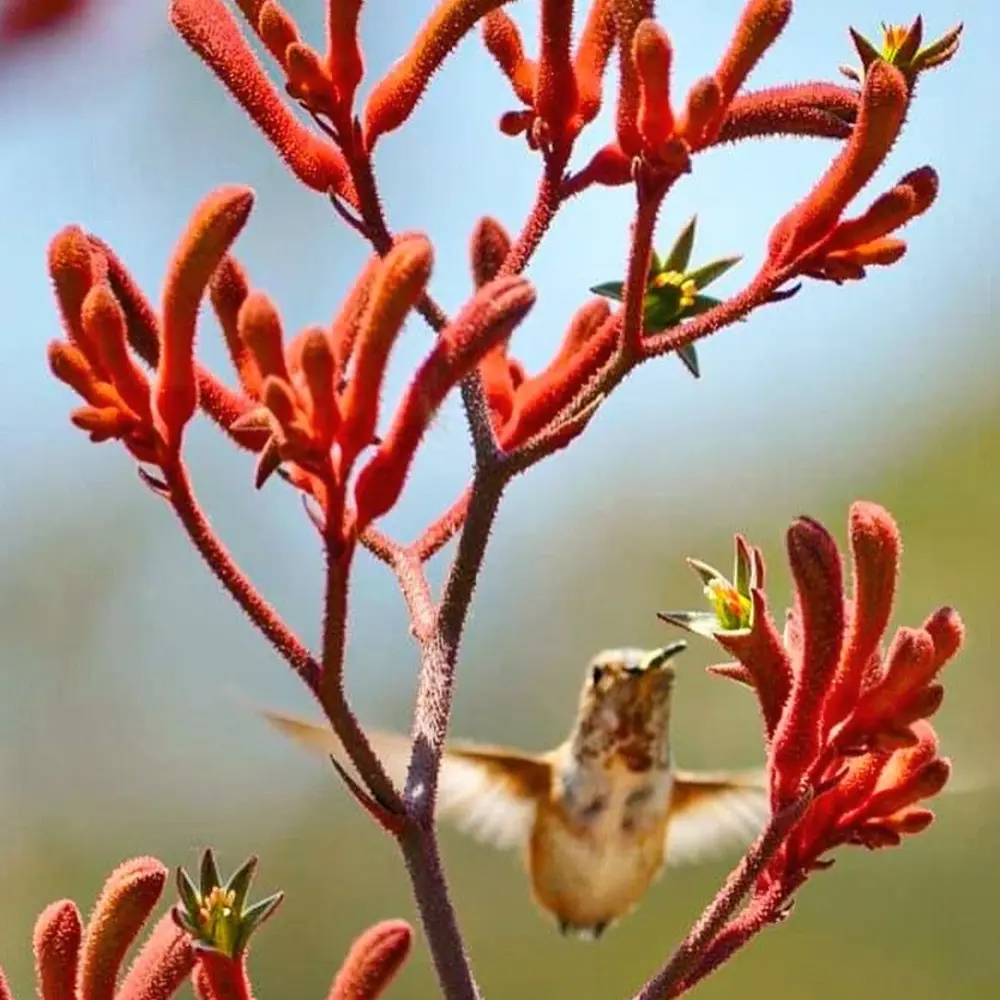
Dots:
{"x": 596, "y": 673}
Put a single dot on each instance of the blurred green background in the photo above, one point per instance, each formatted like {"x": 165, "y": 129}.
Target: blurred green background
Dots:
{"x": 122, "y": 729}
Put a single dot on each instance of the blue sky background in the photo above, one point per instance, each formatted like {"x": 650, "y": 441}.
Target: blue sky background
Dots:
{"x": 123, "y": 131}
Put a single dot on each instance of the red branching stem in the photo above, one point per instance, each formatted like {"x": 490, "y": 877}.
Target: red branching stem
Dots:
{"x": 224, "y": 568}
{"x": 643, "y": 228}
{"x": 686, "y": 957}
{"x": 331, "y": 685}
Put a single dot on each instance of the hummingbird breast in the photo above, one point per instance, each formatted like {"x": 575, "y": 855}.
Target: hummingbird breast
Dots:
{"x": 599, "y": 842}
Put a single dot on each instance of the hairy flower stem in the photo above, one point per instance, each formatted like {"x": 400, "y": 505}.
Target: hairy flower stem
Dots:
{"x": 643, "y": 230}
{"x": 181, "y": 498}
{"x": 330, "y": 690}
{"x": 670, "y": 981}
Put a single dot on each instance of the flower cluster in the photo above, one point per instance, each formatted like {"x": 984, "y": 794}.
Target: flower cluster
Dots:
{"x": 84, "y": 961}
{"x": 851, "y": 754}
{"x": 850, "y": 751}
{"x": 310, "y": 405}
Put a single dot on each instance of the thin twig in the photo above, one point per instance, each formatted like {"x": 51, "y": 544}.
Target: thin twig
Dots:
{"x": 181, "y": 498}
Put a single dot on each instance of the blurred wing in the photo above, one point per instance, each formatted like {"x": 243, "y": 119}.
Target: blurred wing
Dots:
{"x": 713, "y": 813}
{"x": 488, "y": 792}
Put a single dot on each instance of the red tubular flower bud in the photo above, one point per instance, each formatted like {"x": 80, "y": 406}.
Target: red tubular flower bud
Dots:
{"x": 164, "y": 962}
{"x": 761, "y": 22}
{"x": 68, "y": 364}
{"x": 807, "y": 109}
{"x": 126, "y": 901}
{"x": 373, "y": 962}
{"x": 56, "y": 940}
{"x": 502, "y": 39}
{"x": 586, "y": 321}
{"x": 555, "y": 99}
{"x": 228, "y": 290}
{"x": 212, "y": 32}
{"x": 702, "y": 113}
{"x": 875, "y": 547}
{"x": 592, "y": 53}
{"x": 395, "y": 96}
{"x": 214, "y": 226}
{"x": 397, "y": 288}
{"x": 318, "y": 370}
{"x": 71, "y": 267}
{"x": 347, "y": 323}
{"x": 490, "y": 245}
{"x": 488, "y": 320}
{"x": 884, "y": 101}
{"x": 628, "y": 16}
{"x": 277, "y": 29}
{"x": 103, "y": 320}
{"x": 816, "y": 568}
{"x": 653, "y": 55}
{"x": 259, "y": 327}
{"x": 344, "y": 61}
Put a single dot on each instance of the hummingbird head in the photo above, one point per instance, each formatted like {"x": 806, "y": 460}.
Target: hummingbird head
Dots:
{"x": 625, "y": 705}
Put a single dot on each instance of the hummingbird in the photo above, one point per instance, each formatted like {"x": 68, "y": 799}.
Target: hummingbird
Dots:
{"x": 598, "y": 817}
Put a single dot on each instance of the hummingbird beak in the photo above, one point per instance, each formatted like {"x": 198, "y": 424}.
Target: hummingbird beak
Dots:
{"x": 658, "y": 658}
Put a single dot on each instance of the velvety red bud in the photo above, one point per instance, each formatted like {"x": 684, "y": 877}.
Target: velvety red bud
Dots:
{"x": 593, "y": 51}
{"x": 216, "y": 223}
{"x": 344, "y": 60}
{"x": 126, "y": 901}
{"x": 761, "y": 22}
{"x": 212, "y": 32}
{"x": 653, "y": 55}
{"x": 586, "y": 321}
{"x": 911, "y": 820}
{"x": 502, "y": 39}
{"x": 373, "y": 962}
{"x": 68, "y": 364}
{"x": 555, "y": 82}
{"x": 307, "y": 79}
{"x": 628, "y": 16}
{"x": 260, "y": 330}
{"x": 947, "y": 632}
{"x": 277, "y": 29}
{"x": 488, "y": 320}
{"x": 56, "y": 940}
{"x": 5, "y": 993}
{"x": 610, "y": 166}
{"x": 318, "y": 369}
{"x": 229, "y": 289}
{"x": 816, "y": 568}
{"x": 162, "y": 965}
{"x": 884, "y": 101}
{"x": 490, "y": 245}
{"x": 71, "y": 267}
{"x": 347, "y": 323}
{"x": 395, "y": 96}
{"x": 875, "y": 549}
{"x": 702, "y": 113}
{"x": 102, "y": 423}
{"x": 103, "y": 320}
{"x": 397, "y": 288}
{"x": 807, "y": 109}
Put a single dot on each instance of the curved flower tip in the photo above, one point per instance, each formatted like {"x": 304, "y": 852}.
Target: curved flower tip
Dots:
{"x": 395, "y": 96}
{"x": 373, "y": 962}
{"x": 162, "y": 966}
{"x": 56, "y": 940}
{"x": 213, "y": 228}
{"x": 5, "y": 993}
{"x": 209, "y": 28}
{"x": 125, "y": 903}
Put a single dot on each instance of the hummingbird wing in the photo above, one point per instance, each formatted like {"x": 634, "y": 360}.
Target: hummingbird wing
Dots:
{"x": 714, "y": 812}
{"x": 488, "y": 792}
